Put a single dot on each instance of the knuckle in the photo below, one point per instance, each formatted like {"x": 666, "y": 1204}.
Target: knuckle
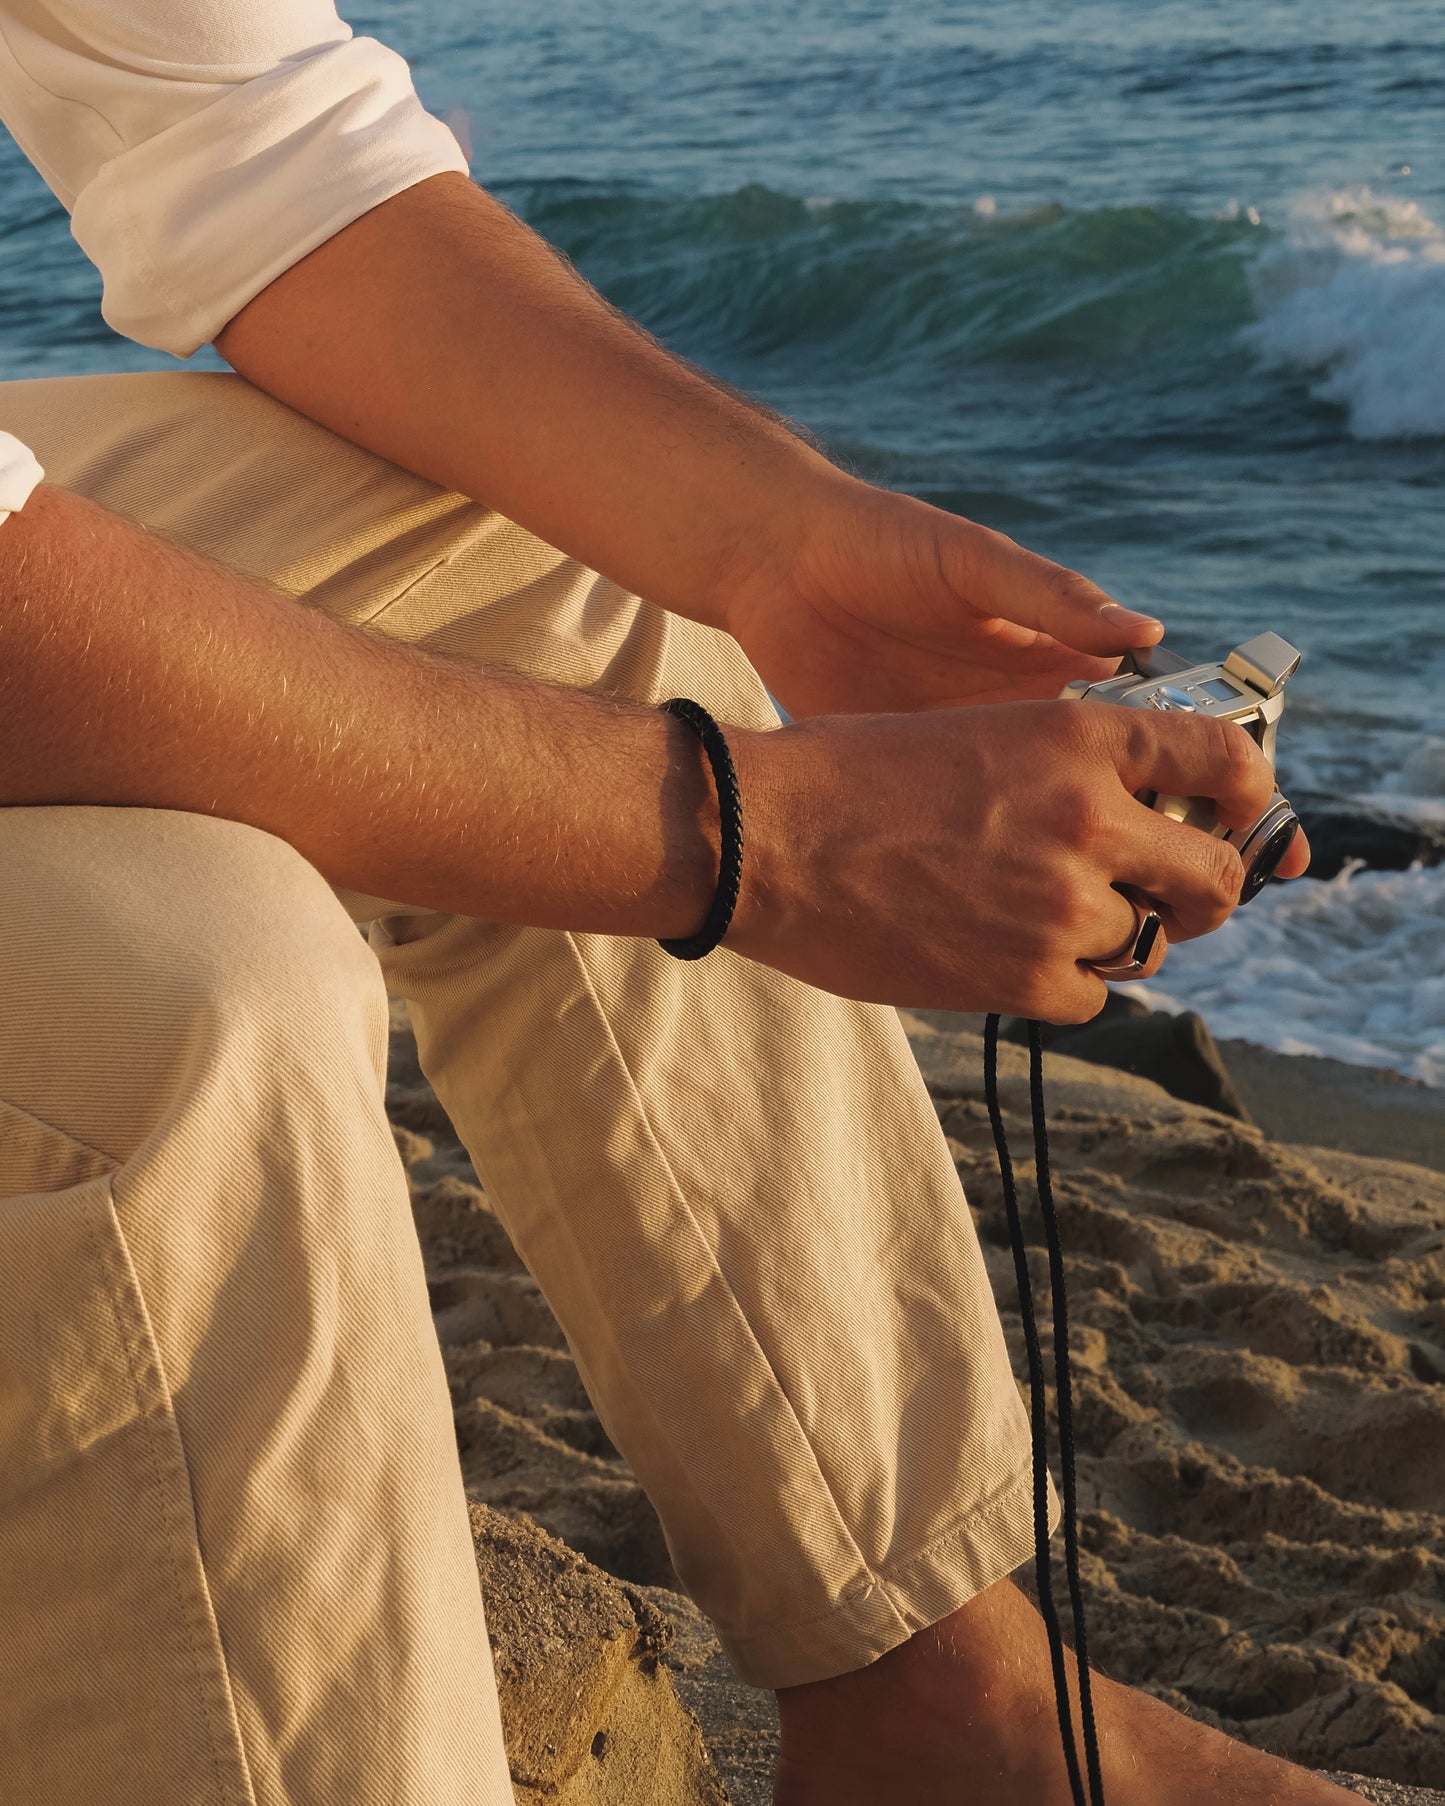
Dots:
{"x": 1061, "y": 582}
{"x": 1058, "y": 991}
{"x": 1235, "y": 754}
{"x": 1079, "y": 732}
{"x": 1082, "y": 801}
{"x": 1138, "y": 735}
{"x": 1070, "y": 901}
{"x": 1078, "y": 1001}
{"x": 1068, "y": 587}
{"x": 1215, "y": 880}
{"x": 1091, "y": 820}
{"x": 1224, "y": 873}
{"x": 1037, "y": 994}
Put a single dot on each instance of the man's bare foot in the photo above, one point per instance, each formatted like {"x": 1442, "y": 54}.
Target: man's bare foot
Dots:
{"x": 963, "y": 1715}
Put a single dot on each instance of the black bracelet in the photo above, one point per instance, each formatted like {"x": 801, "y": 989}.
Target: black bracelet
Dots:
{"x": 730, "y": 811}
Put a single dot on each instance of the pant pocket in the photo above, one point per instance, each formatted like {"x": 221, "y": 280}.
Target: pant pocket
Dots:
{"x": 111, "y": 1670}
{"x": 34, "y": 1156}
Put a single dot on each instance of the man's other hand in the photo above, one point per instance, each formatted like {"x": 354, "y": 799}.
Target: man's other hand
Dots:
{"x": 884, "y": 603}
{"x": 443, "y": 334}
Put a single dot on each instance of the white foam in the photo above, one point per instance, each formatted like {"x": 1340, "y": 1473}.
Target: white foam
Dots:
{"x": 1416, "y": 788}
{"x": 1423, "y": 773}
{"x": 1353, "y": 968}
{"x": 1429, "y": 811}
{"x": 1355, "y": 291}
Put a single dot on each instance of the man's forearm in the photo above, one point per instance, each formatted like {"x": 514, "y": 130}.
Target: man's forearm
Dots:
{"x": 441, "y": 332}
{"x": 135, "y": 673}
{"x": 885, "y": 860}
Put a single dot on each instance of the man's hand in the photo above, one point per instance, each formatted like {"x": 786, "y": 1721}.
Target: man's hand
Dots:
{"x": 967, "y": 858}
{"x": 888, "y": 604}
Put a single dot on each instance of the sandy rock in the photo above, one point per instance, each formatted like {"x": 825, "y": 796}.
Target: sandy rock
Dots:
{"x": 739, "y": 1723}
{"x": 590, "y": 1715}
{"x": 1177, "y": 1052}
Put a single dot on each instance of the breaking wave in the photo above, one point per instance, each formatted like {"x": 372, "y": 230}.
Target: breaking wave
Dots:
{"x": 755, "y": 272}
{"x": 1347, "y": 289}
{"x": 1353, "y": 292}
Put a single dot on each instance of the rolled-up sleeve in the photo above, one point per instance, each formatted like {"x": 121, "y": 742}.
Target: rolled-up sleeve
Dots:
{"x": 19, "y": 474}
{"x": 204, "y": 146}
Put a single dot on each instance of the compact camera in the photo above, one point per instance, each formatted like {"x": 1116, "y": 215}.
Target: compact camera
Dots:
{"x": 1248, "y": 688}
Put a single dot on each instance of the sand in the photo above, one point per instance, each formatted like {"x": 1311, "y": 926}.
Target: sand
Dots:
{"x": 1260, "y": 1353}
{"x": 1325, "y": 1103}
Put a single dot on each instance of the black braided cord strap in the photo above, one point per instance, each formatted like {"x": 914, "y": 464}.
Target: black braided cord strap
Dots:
{"x": 730, "y": 812}
{"x": 1038, "y": 1413}
{"x": 1064, "y": 1394}
{"x": 1037, "y": 1397}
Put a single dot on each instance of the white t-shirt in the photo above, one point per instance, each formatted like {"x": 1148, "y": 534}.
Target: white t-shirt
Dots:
{"x": 202, "y": 147}
{"x": 19, "y": 473}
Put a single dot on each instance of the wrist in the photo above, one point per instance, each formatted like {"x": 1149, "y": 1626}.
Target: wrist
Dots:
{"x": 730, "y": 831}
{"x": 777, "y": 796}
{"x": 810, "y": 504}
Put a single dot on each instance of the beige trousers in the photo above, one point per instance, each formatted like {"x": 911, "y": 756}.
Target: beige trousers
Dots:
{"x": 234, "y": 1559}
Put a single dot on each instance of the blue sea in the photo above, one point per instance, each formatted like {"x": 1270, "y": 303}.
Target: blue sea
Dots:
{"x": 1157, "y": 288}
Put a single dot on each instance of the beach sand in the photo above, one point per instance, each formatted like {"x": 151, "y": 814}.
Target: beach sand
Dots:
{"x": 1324, "y": 1103}
{"x": 1260, "y": 1398}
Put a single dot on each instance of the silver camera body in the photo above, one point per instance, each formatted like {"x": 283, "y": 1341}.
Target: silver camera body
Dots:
{"x": 1248, "y": 688}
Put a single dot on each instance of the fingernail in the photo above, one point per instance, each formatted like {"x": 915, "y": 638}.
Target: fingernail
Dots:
{"x": 1130, "y": 616}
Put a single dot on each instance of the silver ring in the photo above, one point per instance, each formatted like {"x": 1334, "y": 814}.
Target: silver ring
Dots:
{"x": 1133, "y": 958}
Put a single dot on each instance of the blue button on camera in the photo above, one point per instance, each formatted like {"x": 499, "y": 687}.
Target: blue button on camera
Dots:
{"x": 1168, "y": 697}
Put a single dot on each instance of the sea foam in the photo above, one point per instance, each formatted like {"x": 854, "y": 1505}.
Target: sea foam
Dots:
{"x": 1353, "y": 968}
{"x": 1354, "y": 290}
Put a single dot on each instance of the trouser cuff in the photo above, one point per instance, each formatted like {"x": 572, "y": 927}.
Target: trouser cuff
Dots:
{"x": 908, "y": 1596}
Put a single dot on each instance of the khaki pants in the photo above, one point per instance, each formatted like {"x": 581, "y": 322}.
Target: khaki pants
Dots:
{"x": 234, "y": 1558}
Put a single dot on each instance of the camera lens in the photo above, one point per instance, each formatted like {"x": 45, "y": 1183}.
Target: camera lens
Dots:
{"x": 1272, "y": 837}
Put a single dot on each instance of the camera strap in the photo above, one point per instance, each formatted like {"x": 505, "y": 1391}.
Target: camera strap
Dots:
{"x": 1063, "y": 1385}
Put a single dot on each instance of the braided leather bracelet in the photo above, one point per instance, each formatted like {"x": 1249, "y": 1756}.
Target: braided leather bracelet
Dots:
{"x": 730, "y": 811}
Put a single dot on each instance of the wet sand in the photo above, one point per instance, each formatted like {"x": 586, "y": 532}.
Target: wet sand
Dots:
{"x": 1324, "y": 1103}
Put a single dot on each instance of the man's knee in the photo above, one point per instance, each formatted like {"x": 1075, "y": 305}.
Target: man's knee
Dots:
{"x": 134, "y": 943}
{"x": 211, "y": 463}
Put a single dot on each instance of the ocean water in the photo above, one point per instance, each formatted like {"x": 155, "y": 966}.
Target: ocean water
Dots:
{"x": 1157, "y": 288}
